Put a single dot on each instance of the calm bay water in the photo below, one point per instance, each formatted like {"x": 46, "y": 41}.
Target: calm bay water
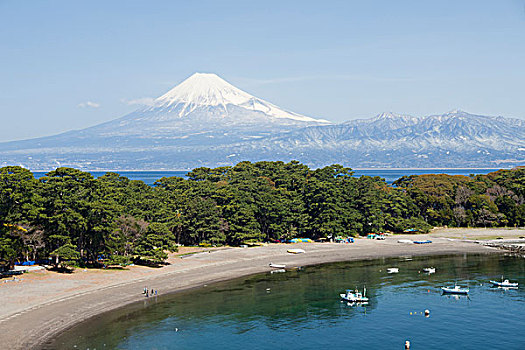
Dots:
{"x": 302, "y": 310}
{"x": 390, "y": 175}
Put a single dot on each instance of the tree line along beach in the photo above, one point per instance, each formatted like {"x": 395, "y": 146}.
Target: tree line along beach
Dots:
{"x": 143, "y": 234}
{"x": 69, "y": 218}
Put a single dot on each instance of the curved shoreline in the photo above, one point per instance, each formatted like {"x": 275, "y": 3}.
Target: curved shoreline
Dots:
{"x": 36, "y": 325}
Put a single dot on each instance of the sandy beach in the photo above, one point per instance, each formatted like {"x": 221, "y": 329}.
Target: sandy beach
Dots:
{"x": 42, "y": 304}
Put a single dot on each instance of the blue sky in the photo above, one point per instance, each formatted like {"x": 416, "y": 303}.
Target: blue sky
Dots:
{"x": 72, "y": 64}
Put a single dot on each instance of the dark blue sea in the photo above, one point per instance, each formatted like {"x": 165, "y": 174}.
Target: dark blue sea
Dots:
{"x": 390, "y": 175}
{"x": 302, "y": 310}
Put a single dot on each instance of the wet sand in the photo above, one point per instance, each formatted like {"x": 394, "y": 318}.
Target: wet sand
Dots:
{"x": 43, "y": 304}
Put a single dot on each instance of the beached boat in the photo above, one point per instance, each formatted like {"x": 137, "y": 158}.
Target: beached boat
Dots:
{"x": 277, "y": 266}
{"x": 296, "y": 251}
{"x": 354, "y": 296}
{"x": 301, "y": 240}
{"x": 504, "y": 284}
{"x": 392, "y": 270}
{"x": 454, "y": 290}
{"x": 430, "y": 270}
{"x": 423, "y": 242}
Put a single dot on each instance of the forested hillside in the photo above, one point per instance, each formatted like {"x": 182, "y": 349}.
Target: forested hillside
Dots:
{"x": 74, "y": 218}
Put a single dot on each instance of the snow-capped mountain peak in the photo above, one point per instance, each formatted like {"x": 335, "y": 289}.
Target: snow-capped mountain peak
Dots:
{"x": 209, "y": 90}
{"x": 204, "y": 89}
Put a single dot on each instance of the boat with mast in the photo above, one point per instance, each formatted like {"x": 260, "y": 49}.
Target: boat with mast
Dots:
{"x": 504, "y": 284}
{"x": 354, "y": 296}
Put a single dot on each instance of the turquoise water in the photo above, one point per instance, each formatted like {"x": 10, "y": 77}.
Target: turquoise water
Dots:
{"x": 390, "y": 175}
{"x": 302, "y": 310}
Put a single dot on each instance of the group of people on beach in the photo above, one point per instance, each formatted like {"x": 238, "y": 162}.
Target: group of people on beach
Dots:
{"x": 147, "y": 293}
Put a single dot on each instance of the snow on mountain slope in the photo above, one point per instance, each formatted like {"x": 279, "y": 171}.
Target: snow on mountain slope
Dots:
{"x": 206, "y": 89}
{"x": 455, "y": 129}
{"x": 204, "y": 103}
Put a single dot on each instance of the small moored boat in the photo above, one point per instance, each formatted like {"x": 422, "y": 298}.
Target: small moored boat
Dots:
{"x": 504, "y": 284}
{"x": 392, "y": 270}
{"x": 296, "y": 251}
{"x": 429, "y": 270}
{"x": 354, "y": 296}
{"x": 454, "y": 290}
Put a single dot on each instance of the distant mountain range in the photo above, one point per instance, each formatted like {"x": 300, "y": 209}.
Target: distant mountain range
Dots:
{"x": 205, "y": 121}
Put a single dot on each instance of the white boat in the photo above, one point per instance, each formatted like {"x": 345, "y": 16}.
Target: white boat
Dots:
{"x": 354, "y": 296}
{"x": 392, "y": 270}
{"x": 454, "y": 290}
{"x": 277, "y": 266}
{"x": 430, "y": 270}
{"x": 296, "y": 251}
{"x": 504, "y": 284}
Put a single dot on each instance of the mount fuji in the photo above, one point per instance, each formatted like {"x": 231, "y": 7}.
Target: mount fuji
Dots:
{"x": 205, "y": 121}
{"x": 204, "y": 106}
